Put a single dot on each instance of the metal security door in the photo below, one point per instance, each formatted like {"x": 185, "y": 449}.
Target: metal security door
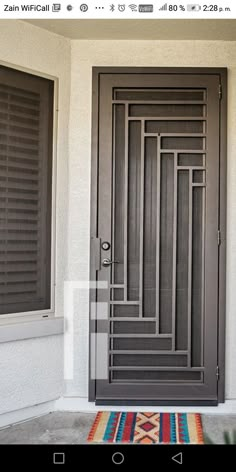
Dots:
{"x": 155, "y": 251}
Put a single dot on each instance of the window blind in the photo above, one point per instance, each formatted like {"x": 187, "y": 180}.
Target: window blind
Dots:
{"x": 26, "y": 111}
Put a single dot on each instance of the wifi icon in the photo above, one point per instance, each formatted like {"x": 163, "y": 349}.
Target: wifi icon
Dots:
{"x": 133, "y": 7}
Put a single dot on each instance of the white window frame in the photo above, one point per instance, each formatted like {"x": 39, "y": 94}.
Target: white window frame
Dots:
{"x": 38, "y": 323}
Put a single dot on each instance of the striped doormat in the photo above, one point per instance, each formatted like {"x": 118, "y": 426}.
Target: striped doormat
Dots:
{"x": 147, "y": 428}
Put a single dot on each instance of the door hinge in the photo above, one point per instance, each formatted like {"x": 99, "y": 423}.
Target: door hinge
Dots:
{"x": 219, "y": 237}
{"x": 220, "y": 91}
{"x": 217, "y": 373}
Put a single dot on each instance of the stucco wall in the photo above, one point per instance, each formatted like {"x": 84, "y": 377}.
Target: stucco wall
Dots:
{"x": 31, "y": 371}
{"x": 86, "y": 54}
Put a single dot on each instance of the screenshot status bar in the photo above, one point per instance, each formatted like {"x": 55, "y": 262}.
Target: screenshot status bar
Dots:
{"x": 118, "y": 9}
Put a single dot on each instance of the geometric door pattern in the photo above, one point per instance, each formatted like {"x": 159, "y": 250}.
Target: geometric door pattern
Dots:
{"x": 158, "y": 235}
{"x": 155, "y": 225}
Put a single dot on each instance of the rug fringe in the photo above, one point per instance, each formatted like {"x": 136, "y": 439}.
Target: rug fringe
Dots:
{"x": 199, "y": 428}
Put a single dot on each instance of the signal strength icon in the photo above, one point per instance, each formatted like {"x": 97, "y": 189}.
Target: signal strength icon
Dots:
{"x": 163, "y": 8}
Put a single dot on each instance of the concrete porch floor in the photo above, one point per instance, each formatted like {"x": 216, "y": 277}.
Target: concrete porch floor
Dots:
{"x": 73, "y": 428}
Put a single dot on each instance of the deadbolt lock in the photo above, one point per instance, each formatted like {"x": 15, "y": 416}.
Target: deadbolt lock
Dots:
{"x": 106, "y": 246}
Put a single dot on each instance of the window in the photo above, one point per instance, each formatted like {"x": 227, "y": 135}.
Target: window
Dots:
{"x": 26, "y": 120}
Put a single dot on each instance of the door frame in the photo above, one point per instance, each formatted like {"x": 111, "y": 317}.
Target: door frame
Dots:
{"x": 94, "y": 241}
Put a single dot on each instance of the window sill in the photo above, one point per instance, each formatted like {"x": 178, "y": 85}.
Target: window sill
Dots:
{"x": 31, "y": 329}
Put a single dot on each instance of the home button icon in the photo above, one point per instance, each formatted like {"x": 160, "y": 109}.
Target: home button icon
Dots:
{"x": 118, "y": 458}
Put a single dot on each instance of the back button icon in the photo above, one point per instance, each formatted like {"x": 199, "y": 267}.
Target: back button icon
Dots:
{"x": 178, "y": 458}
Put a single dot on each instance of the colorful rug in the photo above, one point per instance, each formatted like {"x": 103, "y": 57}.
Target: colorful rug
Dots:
{"x": 147, "y": 428}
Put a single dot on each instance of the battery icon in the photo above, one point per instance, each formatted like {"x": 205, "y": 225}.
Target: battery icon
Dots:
{"x": 193, "y": 7}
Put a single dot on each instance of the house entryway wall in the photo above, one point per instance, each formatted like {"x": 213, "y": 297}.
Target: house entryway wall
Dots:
{"x": 18, "y": 42}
